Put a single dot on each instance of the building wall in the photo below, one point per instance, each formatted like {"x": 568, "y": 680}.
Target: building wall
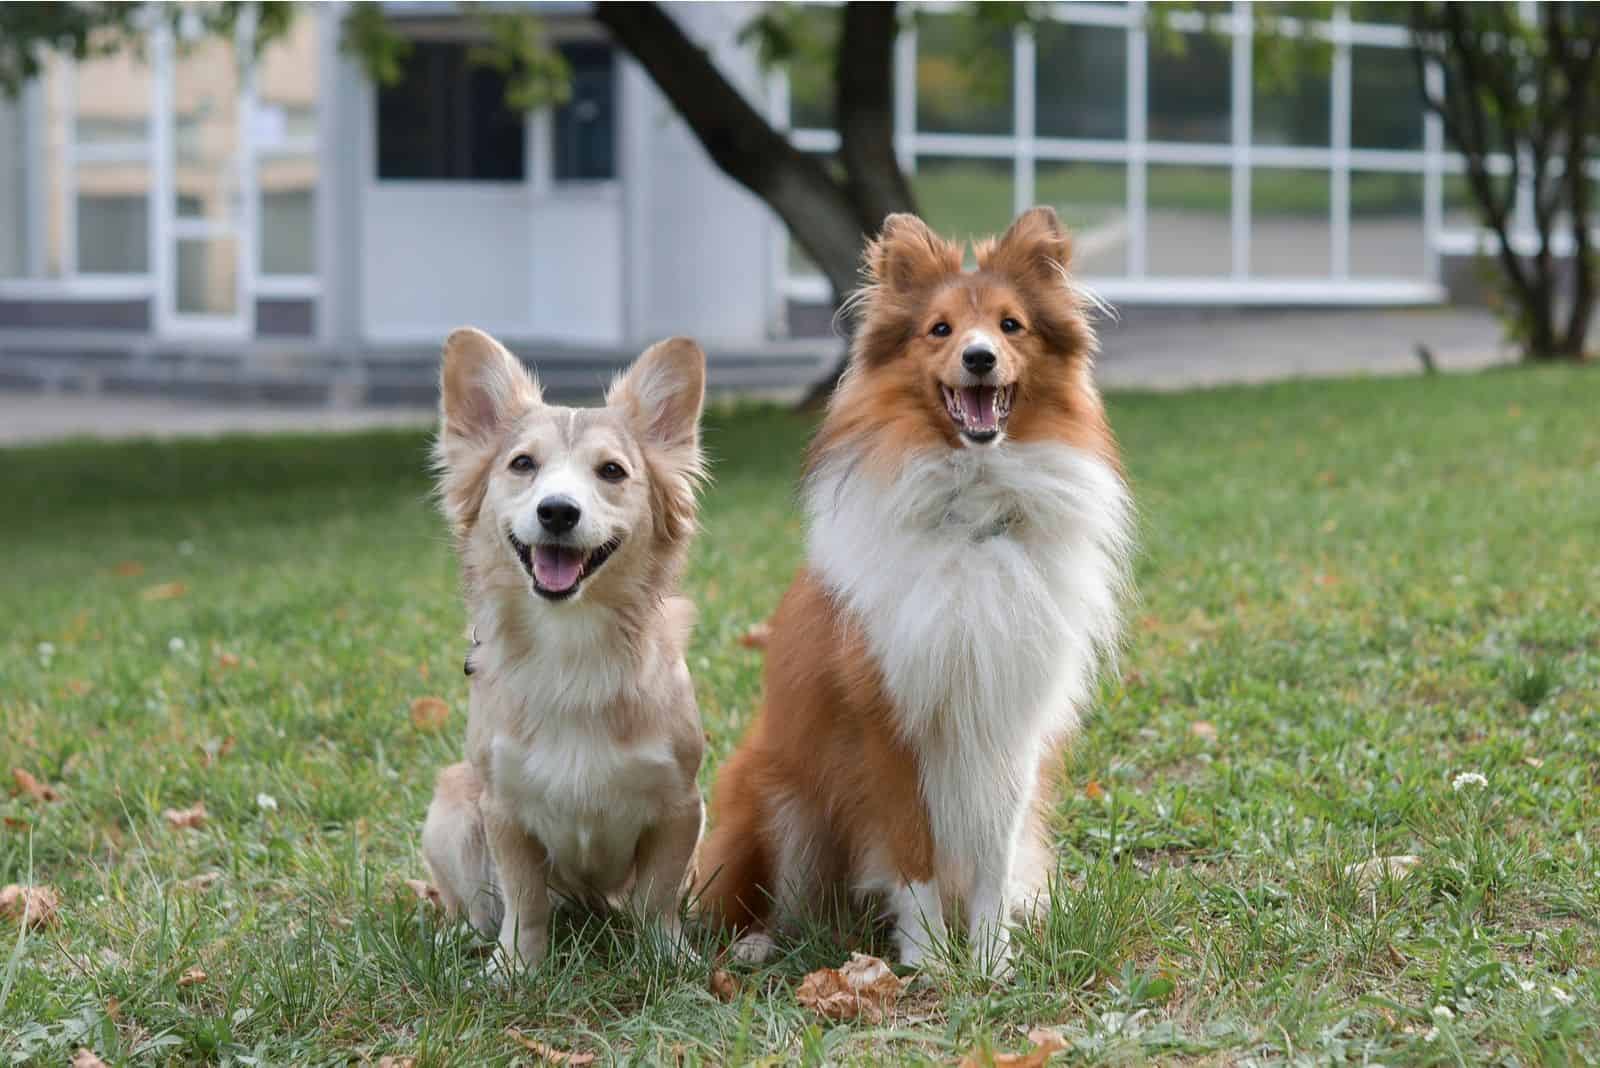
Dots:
{"x": 13, "y": 191}
{"x": 700, "y": 245}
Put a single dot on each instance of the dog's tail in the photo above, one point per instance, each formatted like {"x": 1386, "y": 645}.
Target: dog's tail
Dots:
{"x": 733, "y": 866}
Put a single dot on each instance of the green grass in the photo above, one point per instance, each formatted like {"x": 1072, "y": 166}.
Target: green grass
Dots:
{"x": 1365, "y": 589}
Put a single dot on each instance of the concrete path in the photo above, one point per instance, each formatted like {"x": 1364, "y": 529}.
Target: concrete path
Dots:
{"x": 1153, "y": 349}
{"x": 1171, "y": 350}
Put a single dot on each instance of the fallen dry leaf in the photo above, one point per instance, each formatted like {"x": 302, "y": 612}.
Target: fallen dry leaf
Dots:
{"x": 864, "y": 987}
{"x": 227, "y": 660}
{"x": 31, "y": 906}
{"x": 1045, "y": 1044}
{"x": 1369, "y": 873}
{"x": 200, "y": 883}
{"x": 41, "y": 792}
{"x": 548, "y": 1052}
{"x": 1202, "y": 728}
{"x": 129, "y": 569}
{"x": 87, "y": 1058}
{"x": 193, "y": 977}
{"x": 214, "y": 749}
{"x": 723, "y": 986}
{"x": 164, "y": 591}
{"x": 1093, "y": 790}
{"x": 756, "y": 637}
{"x": 15, "y": 824}
{"x": 392, "y": 1061}
{"x": 79, "y": 687}
{"x": 429, "y": 713}
{"x": 426, "y": 892}
{"x": 187, "y": 818}
{"x": 1533, "y": 762}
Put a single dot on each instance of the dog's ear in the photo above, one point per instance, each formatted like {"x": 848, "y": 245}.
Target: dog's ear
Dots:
{"x": 907, "y": 256}
{"x": 661, "y": 397}
{"x": 1036, "y": 248}
{"x": 662, "y": 393}
{"x": 481, "y": 386}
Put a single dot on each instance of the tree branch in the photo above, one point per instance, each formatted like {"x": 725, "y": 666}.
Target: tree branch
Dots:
{"x": 740, "y": 141}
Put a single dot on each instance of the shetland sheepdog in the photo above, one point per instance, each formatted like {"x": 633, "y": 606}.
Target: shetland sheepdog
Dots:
{"x": 583, "y": 737}
{"x": 968, "y": 537}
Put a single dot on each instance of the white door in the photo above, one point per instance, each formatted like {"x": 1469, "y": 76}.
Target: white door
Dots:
{"x": 205, "y": 160}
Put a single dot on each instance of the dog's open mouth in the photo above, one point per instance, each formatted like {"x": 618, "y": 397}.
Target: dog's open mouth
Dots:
{"x": 979, "y": 412}
{"x": 558, "y": 570}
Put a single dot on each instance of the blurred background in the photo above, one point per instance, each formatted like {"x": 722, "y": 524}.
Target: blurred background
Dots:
{"x": 294, "y": 203}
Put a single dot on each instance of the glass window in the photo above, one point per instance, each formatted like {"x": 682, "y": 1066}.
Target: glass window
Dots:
{"x": 288, "y": 215}
{"x": 1386, "y": 238}
{"x": 964, "y": 76}
{"x": 1189, "y": 229}
{"x": 113, "y": 98}
{"x": 447, "y": 119}
{"x": 207, "y": 276}
{"x": 1191, "y": 87}
{"x": 586, "y": 125}
{"x": 816, "y": 31}
{"x": 1289, "y": 229}
{"x": 13, "y": 193}
{"x": 1080, "y": 75}
{"x": 205, "y": 98}
{"x": 1092, "y": 200}
{"x": 1385, "y": 101}
{"x": 964, "y": 198}
{"x": 285, "y": 130}
{"x": 113, "y": 218}
{"x": 1291, "y": 100}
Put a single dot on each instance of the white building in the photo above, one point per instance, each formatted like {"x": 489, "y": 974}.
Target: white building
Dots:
{"x": 185, "y": 198}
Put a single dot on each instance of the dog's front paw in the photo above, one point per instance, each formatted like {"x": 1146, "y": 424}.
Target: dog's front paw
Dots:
{"x": 519, "y": 954}
{"x": 754, "y": 947}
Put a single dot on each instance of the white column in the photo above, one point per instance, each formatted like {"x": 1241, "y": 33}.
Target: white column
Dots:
{"x": 162, "y": 253}
{"x": 905, "y": 99}
{"x": 1137, "y": 88}
{"x": 1024, "y": 110}
{"x": 1241, "y": 120}
{"x": 1432, "y": 176}
{"x": 1339, "y": 141}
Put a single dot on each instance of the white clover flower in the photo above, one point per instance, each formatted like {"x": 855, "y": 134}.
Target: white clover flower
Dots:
{"x": 266, "y": 802}
{"x": 1468, "y": 778}
{"x": 1432, "y": 1035}
{"x": 1561, "y": 995}
{"x": 46, "y": 650}
{"x": 1527, "y": 986}
{"x": 1443, "y": 1012}
{"x": 175, "y": 645}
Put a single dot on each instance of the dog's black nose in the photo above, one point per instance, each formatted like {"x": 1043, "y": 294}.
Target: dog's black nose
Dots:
{"x": 979, "y": 359}
{"x": 558, "y": 514}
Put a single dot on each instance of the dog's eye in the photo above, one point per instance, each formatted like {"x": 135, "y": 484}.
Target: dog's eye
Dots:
{"x": 940, "y": 329}
{"x": 612, "y": 471}
{"x": 1009, "y": 325}
{"x": 522, "y": 463}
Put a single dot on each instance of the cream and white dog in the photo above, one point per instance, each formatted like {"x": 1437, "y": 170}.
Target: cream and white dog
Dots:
{"x": 583, "y": 739}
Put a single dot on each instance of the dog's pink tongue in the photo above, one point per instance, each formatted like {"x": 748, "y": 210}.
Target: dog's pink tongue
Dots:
{"x": 556, "y": 568}
{"x": 977, "y": 405}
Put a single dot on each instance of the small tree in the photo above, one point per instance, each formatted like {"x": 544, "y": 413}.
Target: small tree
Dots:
{"x": 1525, "y": 90}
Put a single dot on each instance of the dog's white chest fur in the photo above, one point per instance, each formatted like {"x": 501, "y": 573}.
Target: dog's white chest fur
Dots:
{"x": 988, "y": 584}
{"x": 586, "y": 798}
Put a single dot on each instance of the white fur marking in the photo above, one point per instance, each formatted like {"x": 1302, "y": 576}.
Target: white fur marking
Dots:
{"x": 988, "y": 583}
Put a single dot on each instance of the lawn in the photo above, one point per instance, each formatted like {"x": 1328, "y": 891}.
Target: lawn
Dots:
{"x": 1356, "y": 599}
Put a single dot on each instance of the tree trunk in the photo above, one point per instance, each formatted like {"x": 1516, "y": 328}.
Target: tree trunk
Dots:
{"x": 864, "y": 104}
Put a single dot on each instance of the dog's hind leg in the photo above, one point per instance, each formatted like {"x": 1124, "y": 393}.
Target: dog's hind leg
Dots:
{"x": 457, "y": 850}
